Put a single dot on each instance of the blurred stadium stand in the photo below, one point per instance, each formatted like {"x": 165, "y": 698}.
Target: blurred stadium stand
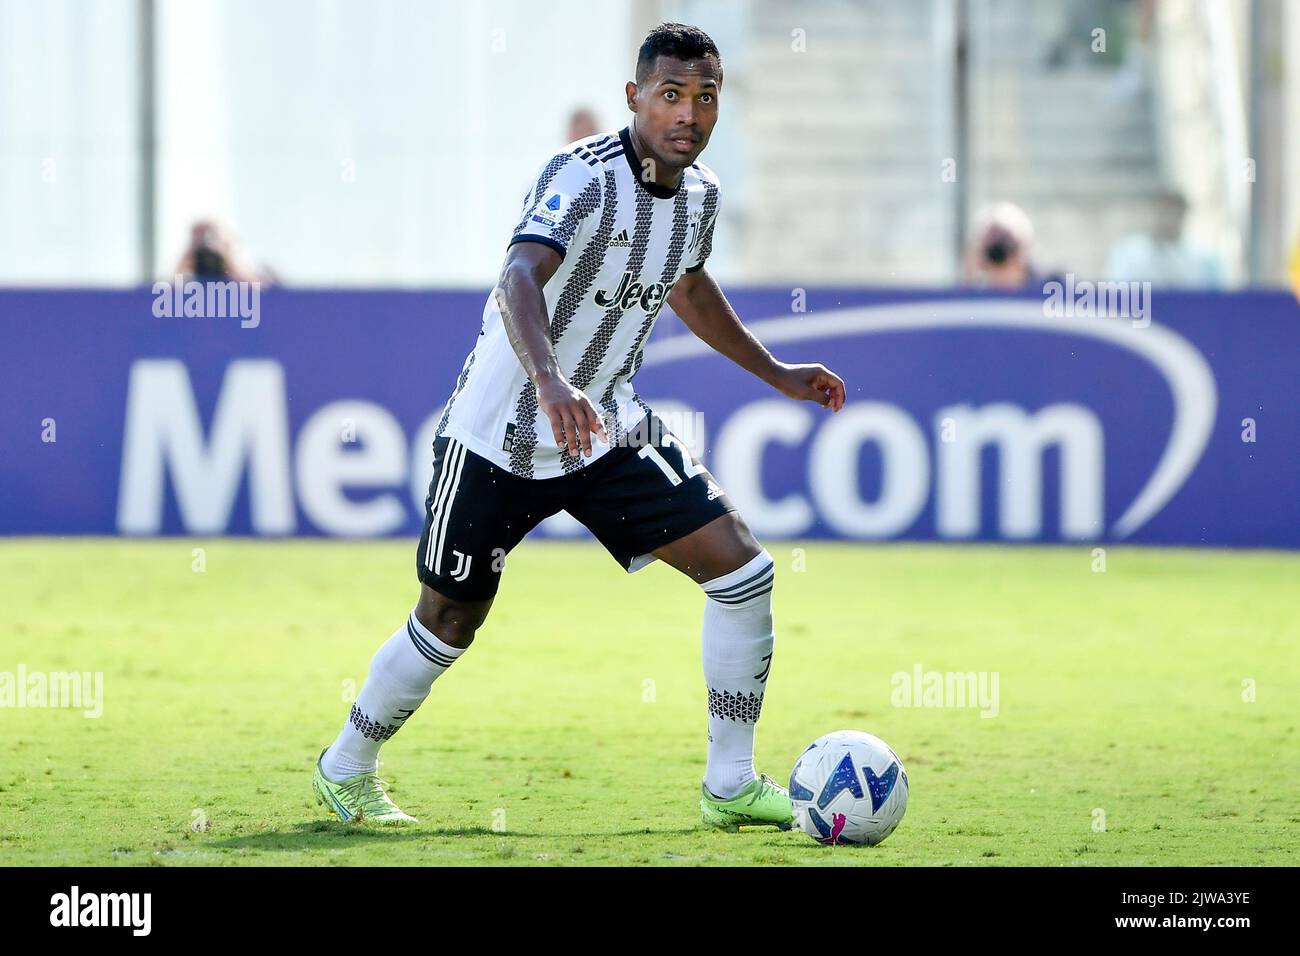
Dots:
{"x": 1086, "y": 174}
{"x": 385, "y": 145}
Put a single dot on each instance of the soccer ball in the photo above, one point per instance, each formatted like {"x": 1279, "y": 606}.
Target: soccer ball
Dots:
{"x": 848, "y": 787}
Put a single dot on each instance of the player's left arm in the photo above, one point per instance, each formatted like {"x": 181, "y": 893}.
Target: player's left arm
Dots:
{"x": 700, "y": 304}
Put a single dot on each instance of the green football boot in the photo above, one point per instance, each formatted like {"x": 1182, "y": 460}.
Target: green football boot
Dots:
{"x": 360, "y": 799}
{"x": 763, "y": 803}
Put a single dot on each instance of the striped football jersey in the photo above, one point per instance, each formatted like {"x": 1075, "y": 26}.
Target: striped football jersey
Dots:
{"x": 624, "y": 241}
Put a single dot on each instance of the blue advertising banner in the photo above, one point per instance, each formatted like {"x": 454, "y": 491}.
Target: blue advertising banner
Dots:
{"x": 1056, "y": 418}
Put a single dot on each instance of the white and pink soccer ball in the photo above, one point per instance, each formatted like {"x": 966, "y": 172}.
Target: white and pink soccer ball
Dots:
{"x": 848, "y": 787}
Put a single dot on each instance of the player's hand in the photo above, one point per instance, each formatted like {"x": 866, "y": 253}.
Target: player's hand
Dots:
{"x": 573, "y": 418}
{"x": 811, "y": 383}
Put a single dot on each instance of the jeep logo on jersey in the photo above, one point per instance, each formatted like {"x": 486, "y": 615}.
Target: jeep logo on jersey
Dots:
{"x": 651, "y": 296}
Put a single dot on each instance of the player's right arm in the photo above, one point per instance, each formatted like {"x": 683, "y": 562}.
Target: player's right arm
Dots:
{"x": 558, "y": 215}
{"x": 528, "y": 267}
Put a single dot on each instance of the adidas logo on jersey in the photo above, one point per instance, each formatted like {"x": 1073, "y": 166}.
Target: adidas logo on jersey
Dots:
{"x": 621, "y": 241}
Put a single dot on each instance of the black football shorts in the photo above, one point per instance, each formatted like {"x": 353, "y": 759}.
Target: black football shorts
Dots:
{"x": 635, "y": 498}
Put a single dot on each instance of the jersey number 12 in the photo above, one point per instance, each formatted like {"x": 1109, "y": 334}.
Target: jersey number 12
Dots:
{"x": 689, "y": 468}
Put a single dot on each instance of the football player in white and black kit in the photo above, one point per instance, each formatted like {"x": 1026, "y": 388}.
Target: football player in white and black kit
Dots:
{"x": 543, "y": 419}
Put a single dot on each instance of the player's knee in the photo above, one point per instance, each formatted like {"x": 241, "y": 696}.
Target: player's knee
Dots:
{"x": 453, "y": 622}
{"x": 748, "y": 586}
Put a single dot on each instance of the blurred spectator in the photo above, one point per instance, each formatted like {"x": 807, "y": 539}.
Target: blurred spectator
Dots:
{"x": 1123, "y": 24}
{"x": 999, "y": 252}
{"x": 1165, "y": 258}
{"x": 582, "y": 123}
{"x": 213, "y": 254}
{"x": 1108, "y": 33}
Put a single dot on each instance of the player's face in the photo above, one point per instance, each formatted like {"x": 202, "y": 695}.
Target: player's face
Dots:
{"x": 676, "y": 108}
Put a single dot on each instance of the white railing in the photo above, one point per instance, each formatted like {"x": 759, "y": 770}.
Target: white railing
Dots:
{"x": 1200, "y": 104}
{"x": 1236, "y": 172}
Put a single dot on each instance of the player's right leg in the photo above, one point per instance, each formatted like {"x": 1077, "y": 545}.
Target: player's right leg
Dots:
{"x": 475, "y": 514}
{"x": 402, "y": 673}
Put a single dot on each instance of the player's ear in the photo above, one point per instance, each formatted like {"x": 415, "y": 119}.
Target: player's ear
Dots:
{"x": 630, "y": 89}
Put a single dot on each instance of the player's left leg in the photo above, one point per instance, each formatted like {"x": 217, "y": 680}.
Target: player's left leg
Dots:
{"x": 736, "y": 574}
{"x": 652, "y": 499}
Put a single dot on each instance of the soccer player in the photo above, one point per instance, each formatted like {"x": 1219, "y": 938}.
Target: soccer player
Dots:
{"x": 544, "y": 419}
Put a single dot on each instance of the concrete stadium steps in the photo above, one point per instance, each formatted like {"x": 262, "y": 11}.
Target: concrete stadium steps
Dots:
{"x": 1072, "y": 146}
{"x": 849, "y": 137}
{"x": 845, "y": 162}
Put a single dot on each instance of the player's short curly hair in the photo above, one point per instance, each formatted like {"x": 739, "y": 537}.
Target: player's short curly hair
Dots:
{"x": 677, "y": 40}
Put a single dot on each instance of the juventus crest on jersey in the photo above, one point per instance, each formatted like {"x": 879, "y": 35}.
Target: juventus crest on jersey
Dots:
{"x": 624, "y": 242}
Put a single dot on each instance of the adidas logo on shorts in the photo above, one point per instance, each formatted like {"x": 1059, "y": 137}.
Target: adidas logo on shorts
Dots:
{"x": 714, "y": 491}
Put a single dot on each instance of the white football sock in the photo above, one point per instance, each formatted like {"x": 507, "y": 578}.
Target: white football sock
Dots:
{"x": 738, "y": 643}
{"x": 401, "y": 674}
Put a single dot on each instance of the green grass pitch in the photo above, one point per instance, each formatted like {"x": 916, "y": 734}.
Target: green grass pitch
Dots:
{"x": 573, "y": 732}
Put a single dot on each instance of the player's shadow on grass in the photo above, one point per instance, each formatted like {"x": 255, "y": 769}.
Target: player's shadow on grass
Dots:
{"x": 324, "y": 834}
